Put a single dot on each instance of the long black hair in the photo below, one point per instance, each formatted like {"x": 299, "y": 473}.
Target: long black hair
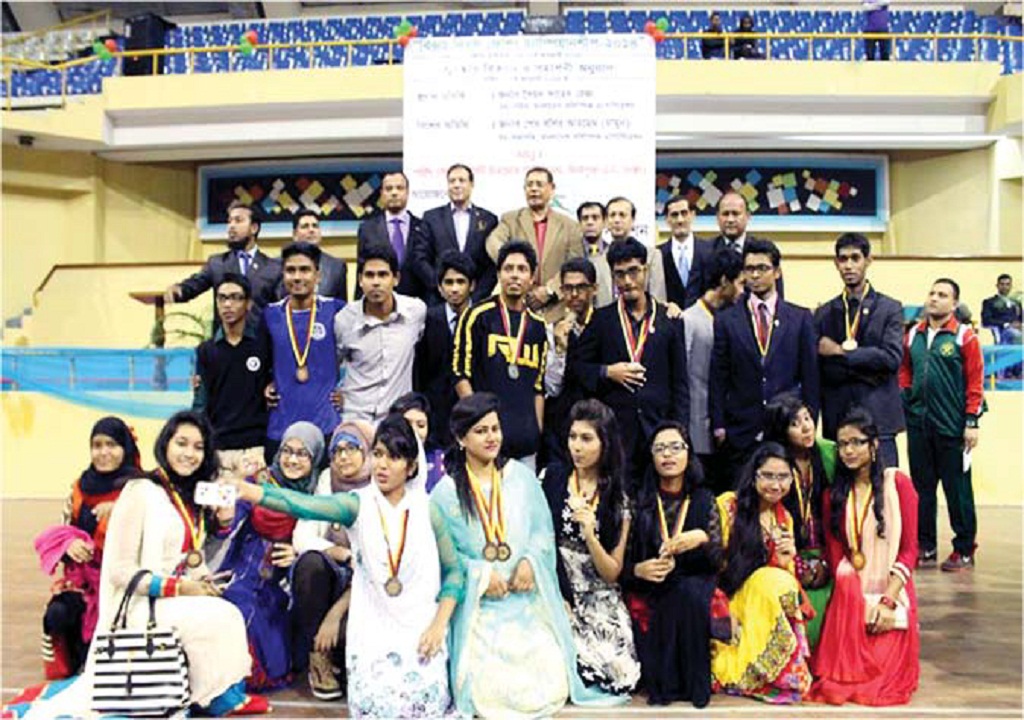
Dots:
{"x": 859, "y": 418}
{"x": 746, "y": 551}
{"x": 611, "y": 467}
{"x": 645, "y": 516}
{"x": 207, "y": 470}
{"x": 467, "y": 412}
{"x": 779, "y": 415}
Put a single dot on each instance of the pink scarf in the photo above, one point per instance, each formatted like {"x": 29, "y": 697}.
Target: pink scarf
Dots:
{"x": 51, "y": 545}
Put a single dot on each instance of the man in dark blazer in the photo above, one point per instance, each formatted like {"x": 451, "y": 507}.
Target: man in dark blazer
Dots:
{"x": 860, "y": 349}
{"x": 432, "y": 370}
{"x": 333, "y": 271}
{"x": 733, "y": 216}
{"x": 458, "y": 226}
{"x": 644, "y": 380}
{"x": 683, "y": 254}
{"x": 763, "y": 346}
{"x": 242, "y": 257}
{"x": 400, "y": 229}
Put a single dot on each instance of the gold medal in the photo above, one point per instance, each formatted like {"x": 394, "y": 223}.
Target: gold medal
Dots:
{"x": 302, "y": 373}
{"x": 858, "y": 560}
{"x": 193, "y": 559}
{"x": 490, "y": 552}
{"x": 849, "y": 345}
{"x": 393, "y": 587}
{"x": 195, "y": 528}
{"x": 504, "y": 552}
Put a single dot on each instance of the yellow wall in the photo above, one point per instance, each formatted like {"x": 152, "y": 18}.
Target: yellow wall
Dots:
{"x": 1011, "y": 223}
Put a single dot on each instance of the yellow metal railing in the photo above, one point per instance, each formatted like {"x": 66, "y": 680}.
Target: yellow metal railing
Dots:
{"x": 266, "y": 50}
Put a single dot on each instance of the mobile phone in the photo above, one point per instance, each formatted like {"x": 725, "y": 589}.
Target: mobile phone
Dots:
{"x": 217, "y": 495}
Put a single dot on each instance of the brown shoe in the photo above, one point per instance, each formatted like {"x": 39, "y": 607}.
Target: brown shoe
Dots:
{"x": 323, "y": 677}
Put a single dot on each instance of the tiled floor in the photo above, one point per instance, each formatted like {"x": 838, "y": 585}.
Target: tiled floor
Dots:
{"x": 970, "y": 642}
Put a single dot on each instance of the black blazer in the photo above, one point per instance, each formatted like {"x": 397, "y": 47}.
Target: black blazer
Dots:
{"x": 432, "y": 373}
{"x": 439, "y": 238}
{"x": 666, "y": 394}
{"x": 373, "y": 230}
{"x": 741, "y": 385}
{"x": 868, "y": 375}
{"x": 264, "y": 277}
{"x": 684, "y": 297}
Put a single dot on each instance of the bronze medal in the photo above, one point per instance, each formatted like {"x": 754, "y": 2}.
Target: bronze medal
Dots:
{"x": 504, "y": 552}
{"x": 490, "y": 552}
{"x": 302, "y": 373}
{"x": 849, "y": 345}
{"x": 858, "y": 560}
{"x": 393, "y": 587}
{"x": 193, "y": 559}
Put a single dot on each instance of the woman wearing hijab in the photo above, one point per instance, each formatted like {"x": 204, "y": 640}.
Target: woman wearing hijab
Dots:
{"x": 322, "y": 575}
{"x": 77, "y": 544}
{"x": 260, "y": 554}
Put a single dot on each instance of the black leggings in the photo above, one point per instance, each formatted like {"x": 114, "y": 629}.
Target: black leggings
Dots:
{"x": 63, "y": 622}
{"x": 316, "y": 586}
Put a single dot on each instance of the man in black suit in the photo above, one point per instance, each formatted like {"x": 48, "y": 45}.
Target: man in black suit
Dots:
{"x": 684, "y": 257}
{"x": 432, "y": 371}
{"x": 459, "y": 226}
{"x": 631, "y": 356}
{"x": 333, "y": 272}
{"x": 860, "y": 349}
{"x": 733, "y": 216}
{"x": 243, "y": 257}
{"x": 763, "y": 346}
{"x": 400, "y": 229}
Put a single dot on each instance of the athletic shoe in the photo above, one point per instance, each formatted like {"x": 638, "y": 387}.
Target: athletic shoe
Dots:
{"x": 323, "y": 677}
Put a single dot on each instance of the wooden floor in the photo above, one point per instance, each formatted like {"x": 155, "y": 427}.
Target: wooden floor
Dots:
{"x": 970, "y": 640}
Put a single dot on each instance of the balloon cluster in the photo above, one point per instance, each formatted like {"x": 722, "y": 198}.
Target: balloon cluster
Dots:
{"x": 656, "y": 28}
{"x": 247, "y": 42}
{"x": 405, "y": 31}
{"x": 105, "y": 50}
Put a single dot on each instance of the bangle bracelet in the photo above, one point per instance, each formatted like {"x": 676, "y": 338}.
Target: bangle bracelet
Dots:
{"x": 155, "y": 585}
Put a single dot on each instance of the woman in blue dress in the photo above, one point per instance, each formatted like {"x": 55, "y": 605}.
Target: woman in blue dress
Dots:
{"x": 512, "y": 645}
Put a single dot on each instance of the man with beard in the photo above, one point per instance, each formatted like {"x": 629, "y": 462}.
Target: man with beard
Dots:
{"x": 376, "y": 338}
{"x": 501, "y": 347}
{"x": 296, "y": 333}
{"x": 243, "y": 257}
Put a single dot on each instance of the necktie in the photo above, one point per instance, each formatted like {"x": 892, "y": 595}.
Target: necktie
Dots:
{"x": 397, "y": 241}
{"x": 243, "y": 262}
{"x": 763, "y": 322}
{"x": 684, "y": 267}
{"x": 854, "y": 305}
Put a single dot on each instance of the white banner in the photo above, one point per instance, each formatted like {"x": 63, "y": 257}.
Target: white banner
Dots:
{"x": 582, "y": 106}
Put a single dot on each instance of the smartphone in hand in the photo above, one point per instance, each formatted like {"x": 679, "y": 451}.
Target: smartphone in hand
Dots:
{"x": 217, "y": 495}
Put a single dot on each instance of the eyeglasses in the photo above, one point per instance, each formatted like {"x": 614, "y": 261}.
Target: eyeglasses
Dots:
{"x": 576, "y": 289}
{"x": 346, "y": 450}
{"x": 631, "y": 272}
{"x": 757, "y": 269}
{"x": 300, "y": 454}
{"x": 230, "y": 297}
{"x": 852, "y": 443}
{"x": 780, "y": 478}
{"x": 672, "y": 448}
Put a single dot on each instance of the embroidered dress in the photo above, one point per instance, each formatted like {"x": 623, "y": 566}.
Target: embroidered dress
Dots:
{"x": 514, "y": 656}
{"x": 769, "y": 661}
{"x": 850, "y": 664}
{"x": 386, "y": 677}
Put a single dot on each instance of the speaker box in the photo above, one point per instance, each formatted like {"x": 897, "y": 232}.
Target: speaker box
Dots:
{"x": 144, "y": 32}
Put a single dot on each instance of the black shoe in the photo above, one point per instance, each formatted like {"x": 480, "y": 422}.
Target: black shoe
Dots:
{"x": 927, "y": 558}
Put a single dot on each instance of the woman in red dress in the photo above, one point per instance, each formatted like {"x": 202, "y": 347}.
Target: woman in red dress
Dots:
{"x": 870, "y": 642}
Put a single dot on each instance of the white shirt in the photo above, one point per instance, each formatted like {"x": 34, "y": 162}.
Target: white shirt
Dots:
{"x": 461, "y": 218}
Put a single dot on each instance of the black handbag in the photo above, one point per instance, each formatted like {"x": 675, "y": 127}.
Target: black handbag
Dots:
{"x": 138, "y": 673}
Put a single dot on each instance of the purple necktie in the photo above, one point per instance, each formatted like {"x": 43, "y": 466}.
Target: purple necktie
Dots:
{"x": 397, "y": 241}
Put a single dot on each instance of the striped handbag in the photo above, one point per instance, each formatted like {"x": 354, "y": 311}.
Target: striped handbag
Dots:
{"x": 138, "y": 672}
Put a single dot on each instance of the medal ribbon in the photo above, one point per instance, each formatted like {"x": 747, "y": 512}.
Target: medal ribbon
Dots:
{"x": 195, "y": 530}
{"x": 300, "y": 358}
{"x": 763, "y": 349}
{"x": 635, "y": 346}
{"x": 492, "y": 518}
{"x": 679, "y": 520}
{"x": 574, "y": 489}
{"x": 858, "y": 527}
{"x": 517, "y": 346}
{"x": 804, "y": 503}
{"x": 394, "y": 560}
{"x": 851, "y": 328}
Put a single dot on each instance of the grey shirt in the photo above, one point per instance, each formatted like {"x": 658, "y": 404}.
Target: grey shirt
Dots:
{"x": 699, "y": 336}
{"x": 377, "y": 356}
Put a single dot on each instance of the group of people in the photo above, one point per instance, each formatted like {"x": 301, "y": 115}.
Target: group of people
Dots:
{"x": 600, "y": 475}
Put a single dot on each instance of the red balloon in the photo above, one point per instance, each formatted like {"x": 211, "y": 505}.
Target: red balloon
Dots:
{"x": 111, "y": 44}
{"x": 650, "y": 27}
{"x": 414, "y": 31}
{"x": 658, "y": 35}
{"x": 404, "y": 40}
{"x": 253, "y": 37}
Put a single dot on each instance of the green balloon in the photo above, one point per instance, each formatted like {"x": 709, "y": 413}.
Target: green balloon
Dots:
{"x": 98, "y": 48}
{"x": 405, "y": 26}
{"x": 662, "y": 24}
{"x": 397, "y": 32}
{"x": 247, "y": 50}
